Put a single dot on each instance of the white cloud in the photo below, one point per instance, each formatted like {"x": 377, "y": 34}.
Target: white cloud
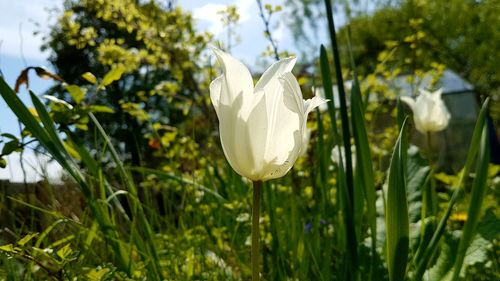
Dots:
{"x": 17, "y": 24}
{"x": 207, "y": 14}
{"x": 37, "y": 167}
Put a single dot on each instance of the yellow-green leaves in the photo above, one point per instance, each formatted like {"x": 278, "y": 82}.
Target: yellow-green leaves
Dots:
{"x": 26, "y": 239}
{"x": 111, "y": 76}
{"x": 76, "y": 92}
{"x": 89, "y": 77}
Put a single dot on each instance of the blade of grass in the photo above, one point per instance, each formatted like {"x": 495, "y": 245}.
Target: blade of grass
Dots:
{"x": 396, "y": 214}
{"x": 476, "y": 201}
{"x": 344, "y": 195}
{"x": 363, "y": 156}
{"x": 342, "y": 97}
{"x": 431, "y": 247}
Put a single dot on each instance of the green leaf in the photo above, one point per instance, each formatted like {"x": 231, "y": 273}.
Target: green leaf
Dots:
{"x": 26, "y": 239}
{"x": 110, "y": 77}
{"x": 3, "y": 163}
{"x": 65, "y": 251}
{"x": 364, "y": 160}
{"x": 76, "y": 92}
{"x": 97, "y": 274}
{"x": 101, "y": 108}
{"x": 444, "y": 263}
{"x": 396, "y": 214}
{"x": 89, "y": 77}
{"x": 9, "y": 248}
{"x": 476, "y": 201}
{"x": 10, "y": 146}
{"x": 9, "y": 136}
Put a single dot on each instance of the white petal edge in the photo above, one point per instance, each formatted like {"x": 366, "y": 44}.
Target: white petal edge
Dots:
{"x": 275, "y": 71}
{"x": 238, "y": 79}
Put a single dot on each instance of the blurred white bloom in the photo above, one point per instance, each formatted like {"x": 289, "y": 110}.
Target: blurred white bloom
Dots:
{"x": 58, "y": 101}
{"x": 262, "y": 127}
{"x": 336, "y": 152}
{"x": 429, "y": 111}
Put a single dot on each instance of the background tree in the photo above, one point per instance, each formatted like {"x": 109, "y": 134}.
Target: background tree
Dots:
{"x": 158, "y": 51}
{"x": 461, "y": 35}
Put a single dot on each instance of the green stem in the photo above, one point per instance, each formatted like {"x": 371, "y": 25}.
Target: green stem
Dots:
{"x": 257, "y": 187}
{"x": 429, "y": 147}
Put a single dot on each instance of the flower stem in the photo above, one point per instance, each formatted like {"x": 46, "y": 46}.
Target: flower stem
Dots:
{"x": 257, "y": 188}
{"x": 429, "y": 147}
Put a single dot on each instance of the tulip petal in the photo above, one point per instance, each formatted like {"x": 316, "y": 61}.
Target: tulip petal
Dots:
{"x": 257, "y": 126}
{"x": 409, "y": 101}
{"x": 294, "y": 98}
{"x": 312, "y": 103}
{"x": 228, "y": 121}
{"x": 273, "y": 73}
{"x": 237, "y": 79}
{"x": 215, "y": 93}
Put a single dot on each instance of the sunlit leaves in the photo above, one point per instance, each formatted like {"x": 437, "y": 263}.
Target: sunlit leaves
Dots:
{"x": 110, "y": 77}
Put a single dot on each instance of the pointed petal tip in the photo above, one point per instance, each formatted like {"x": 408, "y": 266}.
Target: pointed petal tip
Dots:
{"x": 408, "y": 100}
{"x": 291, "y": 59}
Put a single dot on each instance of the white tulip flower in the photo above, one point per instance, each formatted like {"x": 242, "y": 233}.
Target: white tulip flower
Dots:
{"x": 429, "y": 111}
{"x": 262, "y": 127}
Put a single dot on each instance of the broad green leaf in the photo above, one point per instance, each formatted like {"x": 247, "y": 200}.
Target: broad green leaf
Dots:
{"x": 111, "y": 76}
{"x": 89, "y": 77}
{"x": 3, "y": 163}
{"x": 396, "y": 215}
{"x": 76, "y": 92}
{"x": 441, "y": 269}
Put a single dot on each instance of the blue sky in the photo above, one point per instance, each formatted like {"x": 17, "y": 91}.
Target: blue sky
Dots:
{"x": 20, "y": 48}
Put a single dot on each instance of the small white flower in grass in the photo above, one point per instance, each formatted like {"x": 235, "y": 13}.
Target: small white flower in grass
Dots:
{"x": 429, "y": 111}
{"x": 262, "y": 127}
